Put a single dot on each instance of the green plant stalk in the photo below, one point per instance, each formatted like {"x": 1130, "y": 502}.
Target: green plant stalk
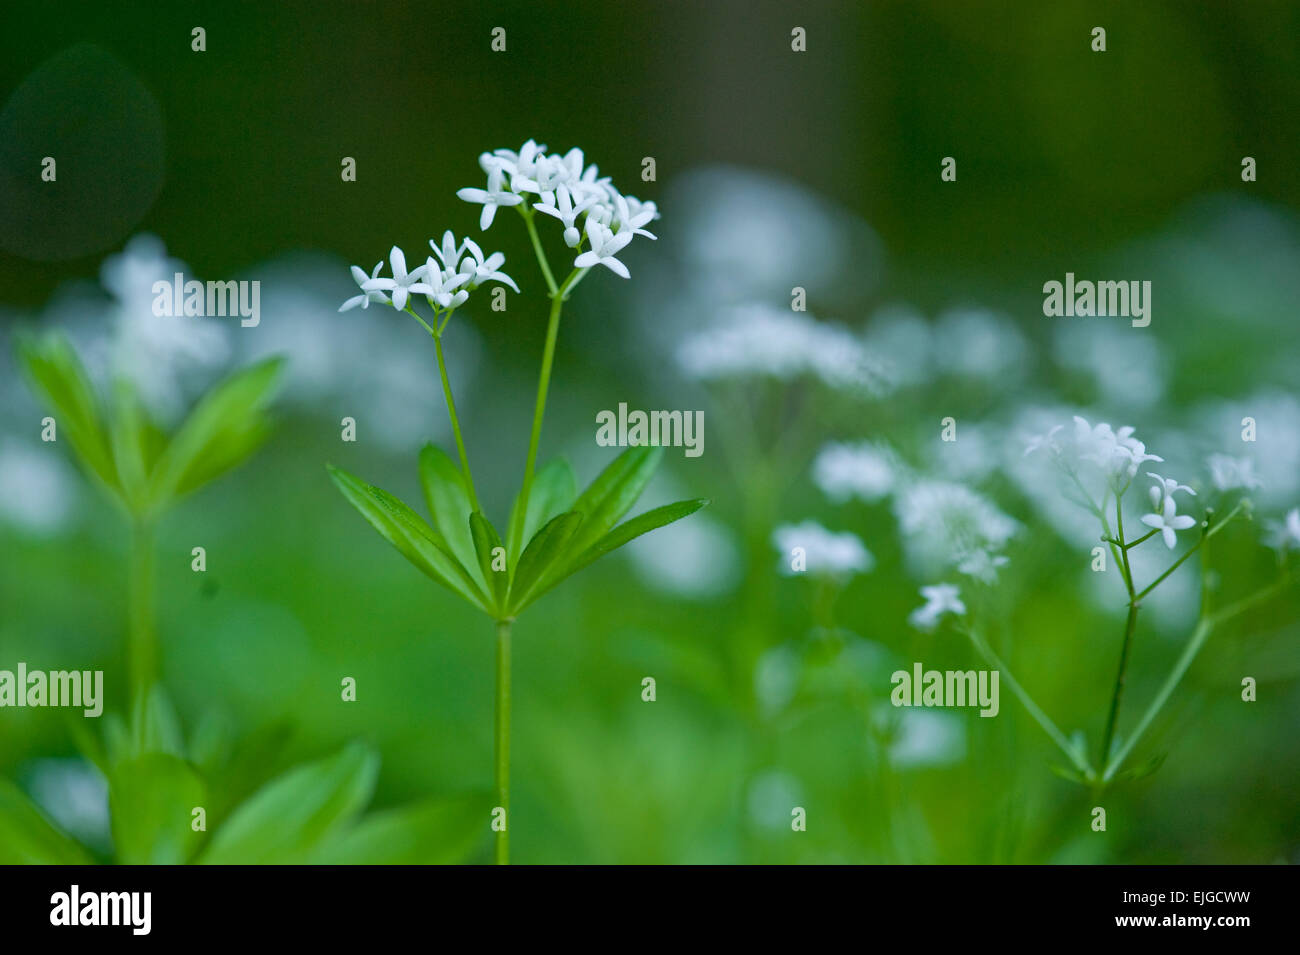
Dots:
{"x": 503, "y": 738}
{"x": 1130, "y": 624}
{"x": 142, "y": 635}
{"x": 1034, "y": 709}
{"x": 455, "y": 423}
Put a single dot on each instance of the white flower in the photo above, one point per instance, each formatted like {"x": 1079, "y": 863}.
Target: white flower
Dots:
{"x": 604, "y": 246}
{"x": 1168, "y": 521}
{"x": 760, "y": 339}
{"x": 631, "y": 214}
{"x": 402, "y": 285}
{"x": 1047, "y": 440}
{"x": 1165, "y": 487}
{"x": 444, "y": 285}
{"x": 944, "y": 523}
{"x": 492, "y": 197}
{"x": 863, "y": 470}
{"x": 1285, "y": 535}
{"x": 940, "y": 599}
{"x": 560, "y": 204}
{"x": 522, "y": 165}
{"x": 366, "y": 297}
{"x": 982, "y": 565}
{"x": 482, "y": 270}
{"x": 1229, "y": 473}
{"x": 824, "y": 552}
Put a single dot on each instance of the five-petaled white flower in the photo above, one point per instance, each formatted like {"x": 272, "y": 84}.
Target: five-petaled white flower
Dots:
{"x": 1168, "y": 521}
{"x": 939, "y": 600}
{"x": 366, "y": 297}
{"x": 1165, "y": 487}
{"x": 402, "y": 285}
{"x": 604, "y": 246}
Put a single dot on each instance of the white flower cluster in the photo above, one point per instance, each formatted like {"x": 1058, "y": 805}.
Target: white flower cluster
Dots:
{"x": 564, "y": 188}
{"x": 940, "y": 599}
{"x": 445, "y": 281}
{"x": 760, "y": 339}
{"x": 823, "y": 551}
{"x": 866, "y": 470}
{"x": 1116, "y": 452}
{"x": 1284, "y": 535}
{"x": 945, "y": 523}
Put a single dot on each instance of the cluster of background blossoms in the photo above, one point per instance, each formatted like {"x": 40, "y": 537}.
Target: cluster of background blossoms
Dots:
{"x": 566, "y": 189}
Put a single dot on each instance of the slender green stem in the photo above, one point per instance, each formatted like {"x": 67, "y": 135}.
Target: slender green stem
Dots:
{"x": 537, "y": 249}
{"x": 1147, "y": 536}
{"x": 455, "y": 423}
{"x": 503, "y": 739}
{"x": 1080, "y": 762}
{"x": 1117, "y": 695}
{"x": 1219, "y": 525}
{"x": 142, "y": 636}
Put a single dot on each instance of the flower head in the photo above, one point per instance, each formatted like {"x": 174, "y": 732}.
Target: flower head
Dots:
{"x": 940, "y": 599}
{"x": 1165, "y": 487}
{"x": 1168, "y": 521}
{"x": 823, "y": 551}
{"x": 402, "y": 285}
{"x": 366, "y": 297}
{"x": 1284, "y": 535}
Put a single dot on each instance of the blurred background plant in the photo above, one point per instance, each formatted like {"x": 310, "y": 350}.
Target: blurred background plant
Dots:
{"x": 775, "y": 170}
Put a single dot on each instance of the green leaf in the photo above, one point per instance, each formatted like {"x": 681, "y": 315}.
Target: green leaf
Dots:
{"x": 486, "y": 540}
{"x": 27, "y": 837}
{"x": 549, "y": 547}
{"x": 155, "y": 727}
{"x": 227, "y": 425}
{"x": 620, "y": 535}
{"x": 440, "y": 832}
{"x": 290, "y": 817}
{"x": 552, "y": 493}
{"x": 1142, "y": 769}
{"x": 151, "y": 801}
{"x": 56, "y": 375}
{"x": 408, "y": 532}
{"x": 449, "y": 506}
{"x": 613, "y": 493}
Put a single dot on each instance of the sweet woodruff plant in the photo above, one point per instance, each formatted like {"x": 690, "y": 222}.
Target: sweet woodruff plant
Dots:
{"x": 552, "y": 531}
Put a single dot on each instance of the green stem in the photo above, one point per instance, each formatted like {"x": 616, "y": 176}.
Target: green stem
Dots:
{"x": 142, "y": 636}
{"x": 1192, "y": 550}
{"x": 537, "y": 249}
{"x": 1120, "y": 679}
{"x": 1034, "y": 709}
{"x": 455, "y": 423}
{"x": 503, "y": 738}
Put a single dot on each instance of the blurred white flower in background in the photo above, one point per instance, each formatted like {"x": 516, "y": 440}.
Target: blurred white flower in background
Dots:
{"x": 773, "y": 795}
{"x": 904, "y": 341}
{"x": 38, "y": 490}
{"x": 924, "y": 738}
{"x": 170, "y": 359}
{"x": 1126, "y": 368}
{"x": 75, "y": 795}
{"x": 825, "y": 552}
{"x": 758, "y": 340}
{"x": 1274, "y": 455}
{"x": 980, "y": 343}
{"x": 776, "y": 677}
{"x": 940, "y": 599}
{"x": 865, "y": 470}
{"x": 942, "y": 523}
{"x": 972, "y": 457}
{"x": 1284, "y": 535}
{"x": 696, "y": 558}
{"x": 1233, "y": 474}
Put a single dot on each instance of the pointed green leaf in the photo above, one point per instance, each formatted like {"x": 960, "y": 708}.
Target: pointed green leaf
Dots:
{"x": 552, "y": 493}
{"x": 57, "y": 376}
{"x": 486, "y": 540}
{"x": 550, "y": 546}
{"x": 441, "y": 832}
{"x": 291, "y": 816}
{"x": 408, "y": 532}
{"x": 620, "y": 535}
{"x": 27, "y": 837}
{"x": 613, "y": 493}
{"x": 151, "y": 800}
{"x": 449, "y": 506}
{"x": 225, "y": 427}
